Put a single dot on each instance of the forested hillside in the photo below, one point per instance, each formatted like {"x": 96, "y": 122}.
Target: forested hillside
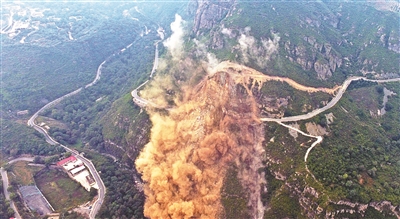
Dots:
{"x": 50, "y": 49}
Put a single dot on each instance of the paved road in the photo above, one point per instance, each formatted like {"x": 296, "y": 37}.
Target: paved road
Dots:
{"x": 88, "y": 164}
{"x": 4, "y": 178}
{"x": 332, "y": 103}
{"x": 27, "y": 159}
{"x": 155, "y": 65}
{"x": 136, "y": 98}
{"x": 319, "y": 138}
{"x": 31, "y": 122}
{"x": 383, "y": 80}
{"x": 226, "y": 66}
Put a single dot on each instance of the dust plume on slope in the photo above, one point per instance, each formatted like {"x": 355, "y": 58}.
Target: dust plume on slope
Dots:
{"x": 214, "y": 126}
{"x": 175, "y": 42}
{"x": 258, "y": 50}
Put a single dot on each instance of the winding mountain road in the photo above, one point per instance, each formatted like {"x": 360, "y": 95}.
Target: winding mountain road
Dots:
{"x": 332, "y": 103}
{"x": 136, "y": 98}
{"x": 4, "y": 178}
{"x": 88, "y": 163}
{"x": 313, "y": 113}
{"x": 337, "y": 91}
{"x": 155, "y": 65}
{"x": 31, "y": 122}
{"x": 320, "y": 138}
{"x": 246, "y": 73}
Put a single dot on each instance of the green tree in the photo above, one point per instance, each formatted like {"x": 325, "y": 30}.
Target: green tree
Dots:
{"x": 38, "y": 160}
{"x": 67, "y": 154}
{"x": 10, "y": 212}
{"x": 13, "y": 196}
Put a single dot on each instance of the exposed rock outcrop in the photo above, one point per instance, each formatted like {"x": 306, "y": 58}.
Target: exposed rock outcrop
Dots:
{"x": 210, "y": 13}
{"x": 325, "y": 65}
{"x": 361, "y": 208}
{"x": 394, "y": 43}
{"x": 322, "y": 69}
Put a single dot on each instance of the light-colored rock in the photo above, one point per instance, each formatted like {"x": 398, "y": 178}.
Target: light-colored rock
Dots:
{"x": 315, "y": 129}
{"x": 329, "y": 118}
{"x": 322, "y": 69}
{"x": 292, "y": 132}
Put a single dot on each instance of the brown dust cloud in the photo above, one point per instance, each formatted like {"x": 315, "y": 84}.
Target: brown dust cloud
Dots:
{"x": 213, "y": 126}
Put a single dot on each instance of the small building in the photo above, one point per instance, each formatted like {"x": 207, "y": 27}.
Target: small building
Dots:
{"x": 22, "y": 112}
{"x": 90, "y": 180}
{"x": 71, "y": 165}
{"x": 53, "y": 216}
{"x": 66, "y": 160}
{"x": 77, "y": 170}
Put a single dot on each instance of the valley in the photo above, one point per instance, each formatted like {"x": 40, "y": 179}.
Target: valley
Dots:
{"x": 247, "y": 77}
{"x": 234, "y": 109}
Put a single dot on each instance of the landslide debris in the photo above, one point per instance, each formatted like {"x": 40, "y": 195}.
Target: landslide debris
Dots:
{"x": 213, "y": 127}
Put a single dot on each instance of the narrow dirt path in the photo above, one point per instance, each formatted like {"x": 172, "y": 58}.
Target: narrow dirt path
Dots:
{"x": 247, "y": 73}
{"x": 319, "y": 139}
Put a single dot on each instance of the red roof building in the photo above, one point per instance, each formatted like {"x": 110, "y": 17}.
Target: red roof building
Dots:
{"x": 66, "y": 160}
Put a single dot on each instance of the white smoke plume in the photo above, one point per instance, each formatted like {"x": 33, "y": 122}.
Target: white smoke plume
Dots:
{"x": 212, "y": 61}
{"x": 175, "y": 42}
{"x": 247, "y": 46}
{"x": 228, "y": 32}
{"x": 201, "y": 51}
{"x": 259, "y": 51}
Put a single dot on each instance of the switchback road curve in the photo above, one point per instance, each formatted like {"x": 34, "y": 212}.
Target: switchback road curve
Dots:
{"x": 136, "y": 98}
{"x": 245, "y": 73}
{"x": 31, "y": 122}
{"x": 332, "y": 103}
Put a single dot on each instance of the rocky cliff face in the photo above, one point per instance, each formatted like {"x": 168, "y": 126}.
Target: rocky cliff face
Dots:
{"x": 209, "y": 13}
{"x": 312, "y": 55}
{"x": 394, "y": 42}
{"x": 326, "y": 44}
{"x": 125, "y": 131}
